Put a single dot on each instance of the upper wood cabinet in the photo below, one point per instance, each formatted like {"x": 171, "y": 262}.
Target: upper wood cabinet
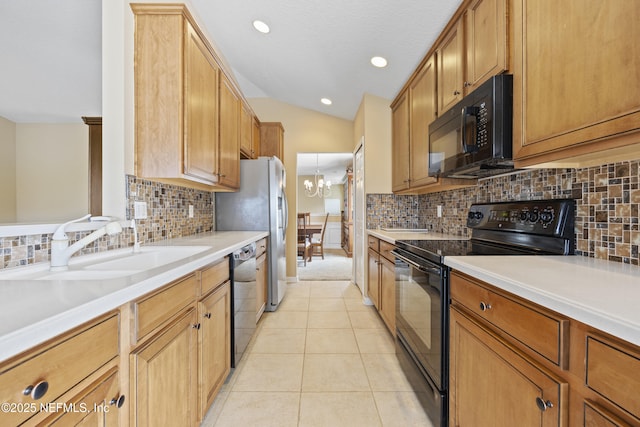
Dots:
{"x": 486, "y": 35}
{"x": 400, "y": 143}
{"x": 247, "y": 149}
{"x": 230, "y": 106}
{"x": 272, "y": 139}
{"x": 473, "y": 49}
{"x": 411, "y": 114}
{"x": 576, "y": 91}
{"x": 450, "y": 55}
{"x": 187, "y": 110}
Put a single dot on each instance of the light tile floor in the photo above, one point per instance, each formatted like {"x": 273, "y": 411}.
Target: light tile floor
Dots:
{"x": 322, "y": 359}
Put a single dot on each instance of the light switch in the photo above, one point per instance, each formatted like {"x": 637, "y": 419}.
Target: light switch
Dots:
{"x": 190, "y": 211}
{"x": 139, "y": 210}
{"x": 439, "y": 211}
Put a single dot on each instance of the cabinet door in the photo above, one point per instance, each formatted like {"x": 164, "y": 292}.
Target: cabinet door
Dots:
{"x": 272, "y": 140}
{"x": 579, "y": 82}
{"x": 423, "y": 111}
{"x": 215, "y": 344}
{"x": 493, "y": 386}
{"x": 163, "y": 376}
{"x": 450, "y": 57}
{"x": 373, "y": 288}
{"x": 246, "y": 132}
{"x": 229, "y": 135}
{"x": 261, "y": 285}
{"x": 201, "y": 110}
{"x": 485, "y": 41}
{"x": 400, "y": 144}
{"x": 388, "y": 294}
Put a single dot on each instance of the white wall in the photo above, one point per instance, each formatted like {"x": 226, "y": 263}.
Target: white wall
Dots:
{"x": 44, "y": 152}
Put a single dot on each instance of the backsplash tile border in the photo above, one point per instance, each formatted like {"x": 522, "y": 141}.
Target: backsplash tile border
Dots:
{"x": 167, "y": 207}
{"x": 607, "y": 206}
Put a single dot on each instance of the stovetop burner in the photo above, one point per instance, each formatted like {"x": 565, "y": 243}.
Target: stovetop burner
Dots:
{"x": 543, "y": 227}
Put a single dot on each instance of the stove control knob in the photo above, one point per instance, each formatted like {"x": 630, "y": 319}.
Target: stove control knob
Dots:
{"x": 478, "y": 215}
{"x": 546, "y": 216}
{"x": 533, "y": 216}
{"x": 471, "y": 215}
{"x": 523, "y": 216}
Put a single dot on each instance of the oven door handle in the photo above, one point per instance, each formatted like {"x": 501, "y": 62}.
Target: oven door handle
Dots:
{"x": 433, "y": 270}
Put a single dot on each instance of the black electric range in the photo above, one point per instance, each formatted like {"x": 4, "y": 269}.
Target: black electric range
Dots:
{"x": 544, "y": 227}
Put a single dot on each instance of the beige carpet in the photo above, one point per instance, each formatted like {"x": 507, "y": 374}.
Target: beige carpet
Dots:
{"x": 335, "y": 266}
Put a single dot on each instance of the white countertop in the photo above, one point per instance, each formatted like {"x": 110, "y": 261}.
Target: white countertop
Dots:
{"x": 34, "y": 311}
{"x": 393, "y": 236}
{"x": 602, "y": 294}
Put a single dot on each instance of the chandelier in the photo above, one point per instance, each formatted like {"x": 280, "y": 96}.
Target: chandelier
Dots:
{"x": 318, "y": 188}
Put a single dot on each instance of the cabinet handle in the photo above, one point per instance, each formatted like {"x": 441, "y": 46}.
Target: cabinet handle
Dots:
{"x": 543, "y": 405}
{"x": 207, "y": 315}
{"x": 467, "y": 84}
{"x": 456, "y": 92}
{"x": 36, "y": 391}
{"x": 117, "y": 401}
{"x": 484, "y": 306}
{"x": 196, "y": 326}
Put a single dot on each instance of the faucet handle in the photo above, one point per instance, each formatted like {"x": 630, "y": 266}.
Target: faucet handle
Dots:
{"x": 60, "y": 234}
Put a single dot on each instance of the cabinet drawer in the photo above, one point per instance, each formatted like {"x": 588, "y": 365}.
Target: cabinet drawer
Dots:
{"x": 152, "y": 311}
{"x": 614, "y": 373}
{"x": 385, "y": 250}
{"x": 538, "y": 329}
{"x": 261, "y": 247}
{"x": 62, "y": 365}
{"x": 214, "y": 275}
{"x": 374, "y": 243}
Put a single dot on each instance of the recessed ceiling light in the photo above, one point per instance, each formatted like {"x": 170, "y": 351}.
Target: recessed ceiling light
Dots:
{"x": 379, "y": 61}
{"x": 326, "y": 101}
{"x": 261, "y": 26}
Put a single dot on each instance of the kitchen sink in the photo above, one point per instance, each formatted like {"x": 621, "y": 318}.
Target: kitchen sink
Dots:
{"x": 107, "y": 265}
{"x": 149, "y": 257}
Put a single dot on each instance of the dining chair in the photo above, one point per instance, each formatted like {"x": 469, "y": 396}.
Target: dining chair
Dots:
{"x": 304, "y": 244}
{"x": 317, "y": 245}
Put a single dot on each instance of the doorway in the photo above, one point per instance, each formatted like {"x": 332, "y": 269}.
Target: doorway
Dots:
{"x": 323, "y": 191}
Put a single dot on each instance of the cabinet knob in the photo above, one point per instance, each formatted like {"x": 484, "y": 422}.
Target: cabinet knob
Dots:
{"x": 117, "y": 401}
{"x": 484, "y": 306}
{"x": 207, "y": 315}
{"x": 456, "y": 92}
{"x": 36, "y": 391}
{"x": 542, "y": 404}
{"x": 467, "y": 84}
{"x": 196, "y": 326}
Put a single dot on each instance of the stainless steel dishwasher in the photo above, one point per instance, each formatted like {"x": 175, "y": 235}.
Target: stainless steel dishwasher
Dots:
{"x": 243, "y": 300}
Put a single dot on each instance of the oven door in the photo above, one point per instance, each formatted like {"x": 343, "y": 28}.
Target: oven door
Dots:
{"x": 421, "y": 313}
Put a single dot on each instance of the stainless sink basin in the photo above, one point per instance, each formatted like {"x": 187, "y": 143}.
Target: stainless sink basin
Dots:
{"x": 119, "y": 263}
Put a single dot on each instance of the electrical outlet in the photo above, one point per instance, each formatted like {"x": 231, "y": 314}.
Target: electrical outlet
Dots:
{"x": 190, "y": 211}
{"x": 139, "y": 210}
{"x": 439, "y": 211}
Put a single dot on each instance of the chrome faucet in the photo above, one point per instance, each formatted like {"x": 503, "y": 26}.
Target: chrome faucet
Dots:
{"x": 60, "y": 249}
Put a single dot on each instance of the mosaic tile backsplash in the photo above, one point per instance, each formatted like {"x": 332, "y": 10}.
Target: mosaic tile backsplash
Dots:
{"x": 607, "y": 202}
{"x": 167, "y": 217}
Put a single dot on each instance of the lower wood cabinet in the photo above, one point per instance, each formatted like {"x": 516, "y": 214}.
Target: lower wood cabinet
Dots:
{"x": 513, "y": 362}
{"x": 382, "y": 280}
{"x": 491, "y": 385}
{"x": 214, "y": 344}
{"x": 163, "y": 374}
{"x": 58, "y": 372}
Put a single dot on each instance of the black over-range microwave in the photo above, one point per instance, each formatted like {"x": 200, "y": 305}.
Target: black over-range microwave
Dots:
{"x": 473, "y": 139}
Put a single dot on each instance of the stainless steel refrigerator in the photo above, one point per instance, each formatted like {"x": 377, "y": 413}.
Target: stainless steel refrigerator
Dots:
{"x": 260, "y": 205}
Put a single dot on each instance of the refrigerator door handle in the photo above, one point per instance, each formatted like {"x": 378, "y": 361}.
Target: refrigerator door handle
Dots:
{"x": 285, "y": 214}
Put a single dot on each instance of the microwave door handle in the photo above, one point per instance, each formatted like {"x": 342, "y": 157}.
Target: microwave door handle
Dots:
{"x": 466, "y": 112}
